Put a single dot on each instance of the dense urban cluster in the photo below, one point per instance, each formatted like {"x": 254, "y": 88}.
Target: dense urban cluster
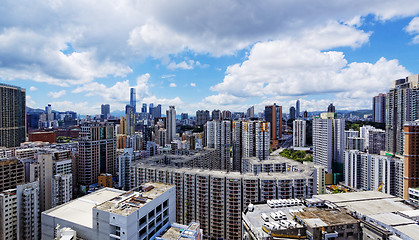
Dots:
{"x": 224, "y": 175}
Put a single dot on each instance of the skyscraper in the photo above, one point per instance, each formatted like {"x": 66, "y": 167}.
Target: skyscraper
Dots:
{"x": 216, "y": 114}
{"x": 256, "y": 139}
{"x": 331, "y": 108}
{"x": 144, "y": 108}
{"x": 133, "y": 100}
{"x": 250, "y": 112}
{"x": 273, "y": 115}
{"x": 411, "y": 157}
{"x": 219, "y": 137}
{"x": 171, "y": 124}
{"x": 12, "y": 115}
{"x": 226, "y": 115}
{"x": 97, "y": 152}
{"x": 297, "y": 108}
{"x": 402, "y": 103}
{"x": 151, "y": 110}
{"x": 292, "y": 113}
{"x": 328, "y": 142}
{"x": 157, "y": 113}
{"x": 299, "y": 133}
{"x": 105, "y": 111}
{"x": 379, "y": 108}
{"x": 202, "y": 116}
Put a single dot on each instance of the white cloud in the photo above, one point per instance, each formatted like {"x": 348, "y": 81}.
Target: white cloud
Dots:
{"x": 193, "y": 84}
{"x": 30, "y": 102}
{"x": 32, "y": 88}
{"x": 79, "y": 107}
{"x": 172, "y": 85}
{"x": 168, "y": 76}
{"x": 290, "y": 69}
{"x": 413, "y": 29}
{"x": 57, "y": 94}
{"x": 182, "y": 65}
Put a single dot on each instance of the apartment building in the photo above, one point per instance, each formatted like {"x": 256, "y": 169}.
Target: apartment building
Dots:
{"x": 374, "y": 172}
{"x": 19, "y": 211}
{"x": 216, "y": 198}
{"x": 299, "y": 133}
{"x": 12, "y": 173}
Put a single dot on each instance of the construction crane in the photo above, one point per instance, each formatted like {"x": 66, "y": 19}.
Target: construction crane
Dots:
{"x": 380, "y": 187}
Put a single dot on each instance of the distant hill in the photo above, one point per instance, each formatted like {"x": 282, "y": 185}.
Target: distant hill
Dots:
{"x": 29, "y": 110}
{"x": 360, "y": 113}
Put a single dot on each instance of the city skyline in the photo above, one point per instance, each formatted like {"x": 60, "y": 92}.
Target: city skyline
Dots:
{"x": 78, "y": 56}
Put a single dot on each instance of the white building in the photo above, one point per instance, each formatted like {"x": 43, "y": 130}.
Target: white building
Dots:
{"x": 376, "y": 141}
{"x": 219, "y": 137}
{"x": 134, "y": 141}
{"x": 62, "y": 188}
{"x": 328, "y": 141}
{"x": 299, "y": 133}
{"x": 19, "y": 212}
{"x": 374, "y": 172}
{"x": 114, "y": 214}
{"x": 256, "y": 139}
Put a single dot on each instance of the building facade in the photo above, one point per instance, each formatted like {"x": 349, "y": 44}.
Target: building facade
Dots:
{"x": 299, "y": 133}
{"x": 273, "y": 115}
{"x": 12, "y": 115}
{"x": 379, "y": 108}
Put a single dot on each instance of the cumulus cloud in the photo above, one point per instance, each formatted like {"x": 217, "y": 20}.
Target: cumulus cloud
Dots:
{"x": 30, "y": 102}
{"x": 172, "y": 85}
{"x": 413, "y": 29}
{"x": 32, "y": 88}
{"x": 193, "y": 84}
{"x": 57, "y": 94}
{"x": 289, "y": 69}
{"x": 181, "y": 65}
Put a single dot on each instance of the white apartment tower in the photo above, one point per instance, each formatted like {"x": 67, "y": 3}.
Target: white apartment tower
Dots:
{"x": 125, "y": 161}
{"x": 19, "y": 211}
{"x": 256, "y": 139}
{"x": 328, "y": 142}
{"x": 171, "y": 123}
{"x": 299, "y": 133}
{"x": 55, "y": 176}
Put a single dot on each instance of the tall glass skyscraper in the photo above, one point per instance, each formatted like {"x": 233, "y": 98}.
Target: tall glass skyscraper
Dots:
{"x": 12, "y": 115}
{"x": 133, "y": 100}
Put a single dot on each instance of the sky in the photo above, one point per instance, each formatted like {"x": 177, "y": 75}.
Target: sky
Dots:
{"x": 219, "y": 54}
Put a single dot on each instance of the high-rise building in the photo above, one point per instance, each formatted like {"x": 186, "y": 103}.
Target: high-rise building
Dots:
{"x": 328, "y": 142}
{"x": 20, "y": 212}
{"x": 122, "y": 126}
{"x": 256, "y": 139}
{"x": 299, "y": 133}
{"x": 12, "y": 173}
{"x": 292, "y": 113}
{"x": 184, "y": 116}
{"x": 273, "y": 115}
{"x": 133, "y": 99}
{"x": 331, "y": 108}
{"x": 171, "y": 123}
{"x": 370, "y": 171}
{"x": 157, "y": 112}
{"x": 297, "y": 108}
{"x": 125, "y": 161}
{"x": 130, "y": 120}
{"x": 411, "y": 157}
{"x": 12, "y": 115}
{"x": 97, "y": 152}
{"x": 151, "y": 109}
{"x": 379, "y": 108}
{"x": 219, "y": 137}
{"x": 202, "y": 117}
{"x": 105, "y": 111}
{"x": 216, "y": 114}
{"x": 401, "y": 106}
{"x": 250, "y": 112}
{"x": 305, "y": 114}
{"x": 226, "y": 115}
{"x": 144, "y": 108}
{"x": 55, "y": 178}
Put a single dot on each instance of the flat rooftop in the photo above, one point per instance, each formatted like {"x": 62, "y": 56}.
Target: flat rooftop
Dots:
{"x": 79, "y": 211}
{"x": 411, "y": 230}
{"x": 129, "y": 202}
{"x": 391, "y": 219}
{"x": 254, "y": 221}
{"x": 366, "y": 203}
{"x": 315, "y": 217}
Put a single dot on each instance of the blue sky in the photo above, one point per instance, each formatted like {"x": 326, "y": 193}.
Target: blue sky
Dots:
{"x": 219, "y": 54}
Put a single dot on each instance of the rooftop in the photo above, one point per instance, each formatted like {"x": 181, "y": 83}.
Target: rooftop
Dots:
{"x": 411, "y": 230}
{"x": 129, "y": 202}
{"x": 391, "y": 219}
{"x": 79, "y": 211}
{"x": 315, "y": 217}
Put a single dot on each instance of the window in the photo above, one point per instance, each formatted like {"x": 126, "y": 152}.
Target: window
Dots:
{"x": 151, "y": 214}
{"x": 165, "y": 203}
{"x": 143, "y": 220}
{"x": 158, "y": 209}
{"x": 142, "y": 231}
{"x": 151, "y": 225}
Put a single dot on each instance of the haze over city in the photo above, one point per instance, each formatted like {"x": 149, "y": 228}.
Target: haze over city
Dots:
{"x": 77, "y": 55}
